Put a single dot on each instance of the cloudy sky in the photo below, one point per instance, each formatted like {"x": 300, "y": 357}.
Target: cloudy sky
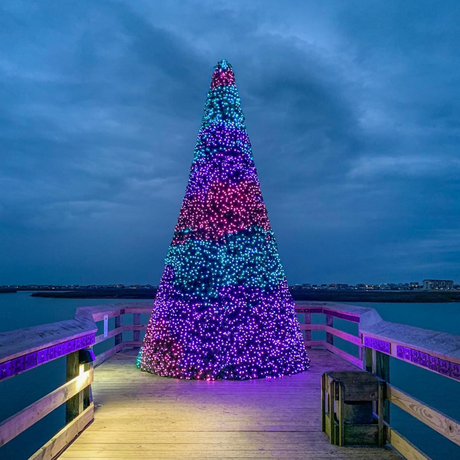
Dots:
{"x": 352, "y": 108}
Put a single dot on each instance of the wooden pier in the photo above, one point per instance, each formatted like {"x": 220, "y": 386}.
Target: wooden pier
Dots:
{"x": 116, "y": 411}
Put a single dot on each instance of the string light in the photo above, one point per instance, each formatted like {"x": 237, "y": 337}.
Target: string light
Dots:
{"x": 223, "y": 308}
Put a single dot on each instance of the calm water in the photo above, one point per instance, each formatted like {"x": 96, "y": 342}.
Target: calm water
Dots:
{"x": 20, "y": 310}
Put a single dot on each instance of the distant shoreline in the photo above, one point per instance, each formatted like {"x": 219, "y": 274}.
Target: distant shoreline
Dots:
{"x": 416, "y": 296}
{"x": 99, "y": 294}
{"x": 312, "y": 295}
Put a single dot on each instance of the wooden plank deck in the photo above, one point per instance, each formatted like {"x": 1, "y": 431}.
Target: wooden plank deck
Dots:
{"x": 142, "y": 416}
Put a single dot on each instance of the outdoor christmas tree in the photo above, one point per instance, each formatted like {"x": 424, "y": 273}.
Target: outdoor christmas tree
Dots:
{"x": 223, "y": 309}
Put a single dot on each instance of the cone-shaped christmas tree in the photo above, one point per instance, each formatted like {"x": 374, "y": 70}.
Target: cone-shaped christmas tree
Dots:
{"x": 223, "y": 309}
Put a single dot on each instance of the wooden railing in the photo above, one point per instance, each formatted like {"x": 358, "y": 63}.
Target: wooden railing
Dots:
{"x": 26, "y": 349}
{"x": 377, "y": 341}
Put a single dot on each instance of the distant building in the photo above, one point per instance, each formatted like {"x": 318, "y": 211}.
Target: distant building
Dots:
{"x": 443, "y": 285}
{"x": 414, "y": 285}
{"x": 343, "y": 286}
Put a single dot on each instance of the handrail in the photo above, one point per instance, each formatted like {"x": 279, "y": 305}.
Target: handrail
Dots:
{"x": 350, "y": 313}
{"x": 431, "y": 417}
{"x": 435, "y": 351}
{"x": 19, "y": 422}
{"x": 25, "y": 349}
{"x": 117, "y": 311}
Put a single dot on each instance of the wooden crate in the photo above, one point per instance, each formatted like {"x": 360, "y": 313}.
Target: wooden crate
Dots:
{"x": 348, "y": 402}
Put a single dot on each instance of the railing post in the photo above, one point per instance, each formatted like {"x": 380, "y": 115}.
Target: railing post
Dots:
{"x": 379, "y": 364}
{"x": 74, "y": 406}
{"x": 329, "y": 322}
{"x": 136, "y": 322}
{"x": 376, "y": 362}
{"x": 307, "y": 320}
{"x": 118, "y": 323}
{"x": 77, "y": 404}
{"x": 382, "y": 370}
{"x": 88, "y": 391}
{"x": 367, "y": 358}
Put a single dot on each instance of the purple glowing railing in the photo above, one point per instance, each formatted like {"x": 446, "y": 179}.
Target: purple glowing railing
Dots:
{"x": 36, "y": 358}
{"x": 432, "y": 350}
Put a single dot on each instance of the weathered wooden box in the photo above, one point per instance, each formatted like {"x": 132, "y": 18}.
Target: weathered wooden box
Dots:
{"x": 348, "y": 401}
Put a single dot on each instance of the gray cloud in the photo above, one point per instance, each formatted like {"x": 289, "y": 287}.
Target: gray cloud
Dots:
{"x": 351, "y": 108}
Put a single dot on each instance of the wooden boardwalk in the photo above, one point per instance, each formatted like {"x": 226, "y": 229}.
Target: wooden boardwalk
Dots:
{"x": 141, "y": 416}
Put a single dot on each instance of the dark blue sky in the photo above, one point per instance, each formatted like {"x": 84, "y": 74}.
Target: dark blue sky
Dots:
{"x": 352, "y": 108}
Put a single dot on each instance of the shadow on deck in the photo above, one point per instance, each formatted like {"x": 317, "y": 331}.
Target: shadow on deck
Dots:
{"x": 140, "y": 415}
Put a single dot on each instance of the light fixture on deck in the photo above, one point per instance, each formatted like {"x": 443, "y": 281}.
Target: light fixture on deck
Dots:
{"x": 86, "y": 355}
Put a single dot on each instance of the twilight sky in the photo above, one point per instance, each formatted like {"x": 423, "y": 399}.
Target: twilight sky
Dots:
{"x": 352, "y": 108}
